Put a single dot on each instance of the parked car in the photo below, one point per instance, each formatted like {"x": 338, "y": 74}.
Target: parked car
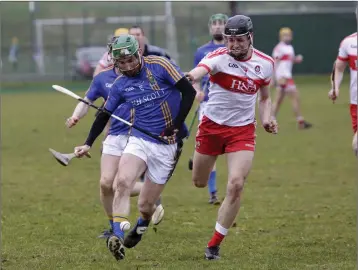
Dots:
{"x": 85, "y": 62}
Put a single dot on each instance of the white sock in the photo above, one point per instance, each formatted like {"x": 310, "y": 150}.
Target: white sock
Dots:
{"x": 221, "y": 229}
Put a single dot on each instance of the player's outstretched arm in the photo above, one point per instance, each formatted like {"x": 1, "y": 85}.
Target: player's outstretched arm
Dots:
{"x": 196, "y": 74}
{"x": 80, "y": 111}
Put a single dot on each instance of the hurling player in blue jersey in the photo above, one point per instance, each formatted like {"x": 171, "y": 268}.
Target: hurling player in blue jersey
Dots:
{"x": 114, "y": 143}
{"x": 216, "y": 27}
{"x": 162, "y": 98}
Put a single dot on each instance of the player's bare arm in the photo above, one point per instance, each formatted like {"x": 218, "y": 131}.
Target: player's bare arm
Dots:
{"x": 200, "y": 95}
{"x": 195, "y": 76}
{"x": 80, "y": 111}
{"x": 339, "y": 68}
{"x": 265, "y": 110}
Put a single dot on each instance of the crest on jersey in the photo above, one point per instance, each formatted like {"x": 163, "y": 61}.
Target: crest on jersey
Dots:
{"x": 257, "y": 69}
{"x": 151, "y": 79}
{"x": 152, "y": 82}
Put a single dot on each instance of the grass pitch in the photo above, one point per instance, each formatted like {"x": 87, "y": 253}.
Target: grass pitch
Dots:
{"x": 298, "y": 210}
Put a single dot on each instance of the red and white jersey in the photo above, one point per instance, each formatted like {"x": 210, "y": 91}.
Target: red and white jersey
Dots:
{"x": 105, "y": 62}
{"x": 348, "y": 53}
{"x": 234, "y": 85}
{"x": 285, "y": 56}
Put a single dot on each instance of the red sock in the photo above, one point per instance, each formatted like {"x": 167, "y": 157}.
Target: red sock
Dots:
{"x": 216, "y": 239}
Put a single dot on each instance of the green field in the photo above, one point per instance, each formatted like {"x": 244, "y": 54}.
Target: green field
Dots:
{"x": 298, "y": 211}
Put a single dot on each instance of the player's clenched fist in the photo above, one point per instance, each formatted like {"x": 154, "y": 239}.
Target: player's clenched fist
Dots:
{"x": 332, "y": 95}
{"x": 72, "y": 121}
{"x": 189, "y": 77}
{"x": 271, "y": 126}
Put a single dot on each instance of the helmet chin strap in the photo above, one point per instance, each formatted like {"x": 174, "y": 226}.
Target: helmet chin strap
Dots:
{"x": 242, "y": 56}
{"x": 251, "y": 39}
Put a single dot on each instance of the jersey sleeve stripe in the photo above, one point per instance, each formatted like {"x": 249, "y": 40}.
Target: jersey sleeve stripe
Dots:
{"x": 103, "y": 70}
{"x": 172, "y": 72}
{"x": 119, "y": 76}
{"x": 167, "y": 117}
{"x": 263, "y": 56}
{"x": 343, "y": 58}
{"x": 217, "y": 52}
{"x": 169, "y": 114}
{"x": 167, "y": 65}
{"x": 205, "y": 66}
{"x": 170, "y": 119}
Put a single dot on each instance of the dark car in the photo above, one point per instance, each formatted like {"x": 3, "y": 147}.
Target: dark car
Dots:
{"x": 85, "y": 62}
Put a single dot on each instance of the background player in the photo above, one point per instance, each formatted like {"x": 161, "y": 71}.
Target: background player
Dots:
{"x": 105, "y": 61}
{"x": 237, "y": 73}
{"x": 153, "y": 85}
{"x": 146, "y": 48}
{"x": 216, "y": 28}
{"x": 285, "y": 57}
{"x": 347, "y": 54}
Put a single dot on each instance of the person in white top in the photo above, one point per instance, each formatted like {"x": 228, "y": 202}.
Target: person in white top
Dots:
{"x": 237, "y": 73}
{"x": 106, "y": 62}
{"x": 285, "y": 57}
{"x": 347, "y": 54}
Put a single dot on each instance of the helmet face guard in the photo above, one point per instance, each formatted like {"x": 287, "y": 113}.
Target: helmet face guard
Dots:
{"x": 124, "y": 52}
{"x": 237, "y": 27}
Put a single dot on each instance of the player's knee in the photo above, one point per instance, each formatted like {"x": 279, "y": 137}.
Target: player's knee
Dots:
{"x": 106, "y": 184}
{"x": 235, "y": 186}
{"x": 199, "y": 182}
{"x": 122, "y": 184}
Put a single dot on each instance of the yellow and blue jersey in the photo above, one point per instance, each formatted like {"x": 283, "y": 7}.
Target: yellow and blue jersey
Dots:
{"x": 100, "y": 88}
{"x": 152, "y": 93}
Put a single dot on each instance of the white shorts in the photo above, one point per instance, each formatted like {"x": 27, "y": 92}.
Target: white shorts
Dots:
{"x": 161, "y": 159}
{"x": 202, "y": 110}
{"x": 114, "y": 145}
